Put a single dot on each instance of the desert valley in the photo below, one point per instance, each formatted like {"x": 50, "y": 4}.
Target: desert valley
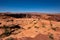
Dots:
{"x": 29, "y": 26}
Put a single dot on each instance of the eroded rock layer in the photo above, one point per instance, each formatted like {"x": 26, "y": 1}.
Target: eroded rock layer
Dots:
{"x": 29, "y": 26}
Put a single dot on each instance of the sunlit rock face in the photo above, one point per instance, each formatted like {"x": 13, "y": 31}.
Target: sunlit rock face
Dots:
{"x": 29, "y": 26}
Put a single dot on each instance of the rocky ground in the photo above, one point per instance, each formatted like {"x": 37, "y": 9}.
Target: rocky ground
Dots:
{"x": 29, "y": 26}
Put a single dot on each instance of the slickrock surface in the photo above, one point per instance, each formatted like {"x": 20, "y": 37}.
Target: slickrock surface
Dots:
{"x": 29, "y": 26}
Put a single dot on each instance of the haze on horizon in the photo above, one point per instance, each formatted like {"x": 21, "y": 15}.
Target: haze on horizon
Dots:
{"x": 48, "y": 6}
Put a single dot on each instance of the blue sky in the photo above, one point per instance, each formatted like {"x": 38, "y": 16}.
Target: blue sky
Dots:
{"x": 30, "y": 6}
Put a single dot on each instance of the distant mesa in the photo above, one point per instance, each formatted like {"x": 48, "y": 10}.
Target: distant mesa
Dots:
{"x": 55, "y": 17}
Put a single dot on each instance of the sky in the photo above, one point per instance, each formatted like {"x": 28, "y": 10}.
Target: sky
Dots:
{"x": 50, "y": 6}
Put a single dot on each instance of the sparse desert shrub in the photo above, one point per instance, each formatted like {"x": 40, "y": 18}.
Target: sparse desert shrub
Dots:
{"x": 29, "y": 27}
{"x": 34, "y": 20}
{"x": 36, "y": 26}
{"x": 51, "y": 23}
{"x": 52, "y": 26}
{"x": 0, "y": 23}
{"x": 35, "y": 23}
{"x": 53, "y": 29}
{"x": 16, "y": 26}
{"x": 51, "y": 36}
{"x": 8, "y": 32}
